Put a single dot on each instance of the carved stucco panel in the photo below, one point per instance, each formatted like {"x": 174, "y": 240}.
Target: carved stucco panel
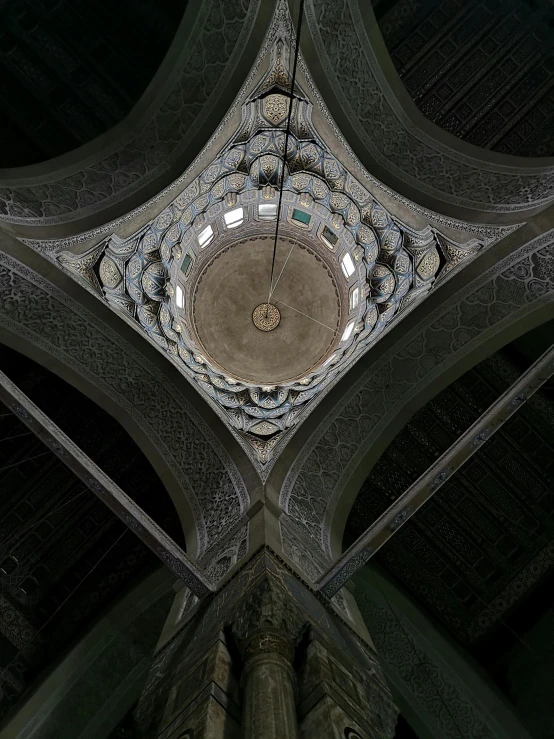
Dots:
{"x": 34, "y": 308}
{"x": 431, "y": 687}
{"x": 514, "y": 287}
{"x": 393, "y": 140}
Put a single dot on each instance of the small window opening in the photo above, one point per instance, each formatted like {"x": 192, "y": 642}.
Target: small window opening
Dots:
{"x": 348, "y": 331}
{"x": 187, "y": 261}
{"x": 301, "y": 217}
{"x": 354, "y": 297}
{"x": 267, "y": 211}
{"x": 180, "y": 297}
{"x": 205, "y": 236}
{"x": 329, "y": 237}
{"x": 234, "y": 217}
{"x": 347, "y": 265}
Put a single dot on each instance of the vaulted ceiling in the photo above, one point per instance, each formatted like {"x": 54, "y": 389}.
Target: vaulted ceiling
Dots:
{"x": 477, "y": 557}
{"x": 482, "y": 70}
{"x": 81, "y": 67}
{"x": 64, "y": 557}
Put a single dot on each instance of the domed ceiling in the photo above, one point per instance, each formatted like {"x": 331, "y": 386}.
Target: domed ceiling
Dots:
{"x": 314, "y": 241}
{"x": 259, "y": 342}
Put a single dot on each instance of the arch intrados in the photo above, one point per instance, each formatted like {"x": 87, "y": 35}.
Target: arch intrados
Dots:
{"x": 131, "y": 426}
{"x": 429, "y": 389}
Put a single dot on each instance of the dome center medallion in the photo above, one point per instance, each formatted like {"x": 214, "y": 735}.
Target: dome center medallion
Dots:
{"x": 266, "y": 317}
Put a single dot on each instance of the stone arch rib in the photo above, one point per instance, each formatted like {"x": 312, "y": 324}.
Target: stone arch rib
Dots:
{"x": 515, "y": 289}
{"x": 201, "y": 478}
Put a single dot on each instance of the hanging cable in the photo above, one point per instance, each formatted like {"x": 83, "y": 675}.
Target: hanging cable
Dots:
{"x": 16, "y": 436}
{"x": 18, "y": 534}
{"x": 287, "y": 135}
{"x": 306, "y": 315}
{"x": 64, "y": 601}
{"x": 22, "y": 461}
{"x": 282, "y": 269}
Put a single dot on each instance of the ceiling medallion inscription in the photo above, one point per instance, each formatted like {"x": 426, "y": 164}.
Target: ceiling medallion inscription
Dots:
{"x": 266, "y": 317}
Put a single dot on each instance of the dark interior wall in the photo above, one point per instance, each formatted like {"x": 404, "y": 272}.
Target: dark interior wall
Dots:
{"x": 482, "y": 70}
{"x": 477, "y": 557}
{"x": 72, "y": 69}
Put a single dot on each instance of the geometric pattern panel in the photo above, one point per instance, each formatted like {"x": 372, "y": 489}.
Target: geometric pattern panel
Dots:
{"x": 71, "y": 73}
{"x": 481, "y": 70}
{"x": 64, "y": 556}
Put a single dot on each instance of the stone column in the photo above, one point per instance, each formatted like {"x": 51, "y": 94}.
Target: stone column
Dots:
{"x": 264, "y": 659}
{"x": 267, "y": 629}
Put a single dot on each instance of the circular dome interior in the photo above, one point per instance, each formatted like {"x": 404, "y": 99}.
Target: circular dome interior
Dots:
{"x": 236, "y": 281}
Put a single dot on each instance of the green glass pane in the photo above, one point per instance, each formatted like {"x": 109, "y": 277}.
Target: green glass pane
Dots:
{"x": 186, "y": 263}
{"x": 301, "y": 217}
{"x": 329, "y": 236}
